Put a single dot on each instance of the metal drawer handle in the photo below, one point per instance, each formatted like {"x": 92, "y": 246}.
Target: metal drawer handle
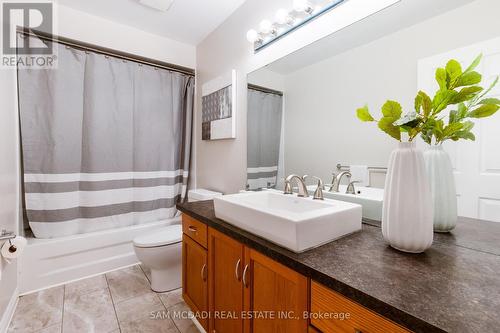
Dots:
{"x": 237, "y": 270}
{"x": 192, "y": 229}
{"x": 245, "y": 276}
{"x": 204, "y": 272}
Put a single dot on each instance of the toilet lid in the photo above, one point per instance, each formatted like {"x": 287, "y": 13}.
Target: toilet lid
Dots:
{"x": 164, "y": 236}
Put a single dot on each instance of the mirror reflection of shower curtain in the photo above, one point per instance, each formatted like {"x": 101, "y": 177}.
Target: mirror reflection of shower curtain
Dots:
{"x": 264, "y": 120}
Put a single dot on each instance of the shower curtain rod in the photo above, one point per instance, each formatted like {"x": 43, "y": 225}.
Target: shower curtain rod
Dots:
{"x": 105, "y": 51}
{"x": 264, "y": 89}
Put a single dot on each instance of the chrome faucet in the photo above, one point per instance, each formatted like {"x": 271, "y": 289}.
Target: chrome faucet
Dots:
{"x": 338, "y": 179}
{"x": 318, "y": 193}
{"x": 300, "y": 183}
{"x": 350, "y": 188}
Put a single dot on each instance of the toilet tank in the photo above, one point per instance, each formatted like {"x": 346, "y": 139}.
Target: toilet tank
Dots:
{"x": 201, "y": 194}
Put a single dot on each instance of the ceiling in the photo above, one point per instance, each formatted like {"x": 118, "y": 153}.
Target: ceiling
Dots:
{"x": 399, "y": 16}
{"x": 187, "y": 21}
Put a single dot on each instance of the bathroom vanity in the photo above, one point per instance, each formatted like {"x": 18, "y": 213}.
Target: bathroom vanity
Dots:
{"x": 453, "y": 287}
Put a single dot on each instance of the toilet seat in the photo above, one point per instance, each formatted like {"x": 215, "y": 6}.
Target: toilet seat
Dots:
{"x": 171, "y": 234}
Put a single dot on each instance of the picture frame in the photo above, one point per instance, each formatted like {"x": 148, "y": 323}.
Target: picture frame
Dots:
{"x": 219, "y": 107}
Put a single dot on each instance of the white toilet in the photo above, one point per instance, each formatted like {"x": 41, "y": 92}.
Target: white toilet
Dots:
{"x": 161, "y": 250}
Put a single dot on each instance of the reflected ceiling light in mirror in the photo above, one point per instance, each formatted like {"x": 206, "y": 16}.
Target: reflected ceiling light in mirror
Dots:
{"x": 253, "y": 36}
{"x": 266, "y": 27}
{"x": 302, "y": 6}
{"x": 283, "y": 17}
{"x": 286, "y": 21}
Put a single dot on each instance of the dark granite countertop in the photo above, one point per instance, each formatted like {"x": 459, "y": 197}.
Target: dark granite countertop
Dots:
{"x": 453, "y": 287}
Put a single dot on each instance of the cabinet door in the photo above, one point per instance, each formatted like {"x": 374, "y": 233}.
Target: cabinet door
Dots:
{"x": 272, "y": 289}
{"x": 194, "y": 278}
{"x": 359, "y": 319}
{"x": 226, "y": 290}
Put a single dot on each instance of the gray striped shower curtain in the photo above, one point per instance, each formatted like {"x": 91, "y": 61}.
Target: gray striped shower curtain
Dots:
{"x": 105, "y": 142}
{"x": 264, "y": 117}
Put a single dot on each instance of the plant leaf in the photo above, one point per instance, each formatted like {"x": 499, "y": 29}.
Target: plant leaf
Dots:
{"x": 483, "y": 111}
{"x": 386, "y": 125}
{"x": 490, "y": 101}
{"x": 474, "y": 64}
{"x": 452, "y": 128}
{"x": 392, "y": 109}
{"x": 406, "y": 120}
{"x": 442, "y": 99}
{"x": 441, "y": 78}
{"x": 492, "y": 85}
{"x": 469, "y": 79}
{"x": 466, "y": 94}
{"x": 422, "y": 100}
{"x": 467, "y": 125}
{"x": 462, "y": 111}
{"x": 453, "y": 69}
{"x": 363, "y": 114}
{"x": 466, "y": 135}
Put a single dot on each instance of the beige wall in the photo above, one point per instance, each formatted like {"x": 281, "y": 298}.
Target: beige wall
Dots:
{"x": 385, "y": 68}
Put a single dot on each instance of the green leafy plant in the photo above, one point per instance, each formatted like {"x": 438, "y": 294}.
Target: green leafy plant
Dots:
{"x": 459, "y": 91}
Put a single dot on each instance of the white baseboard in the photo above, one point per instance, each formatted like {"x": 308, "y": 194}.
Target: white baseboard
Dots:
{"x": 9, "y": 312}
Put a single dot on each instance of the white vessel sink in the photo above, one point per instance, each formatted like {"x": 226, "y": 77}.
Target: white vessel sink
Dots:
{"x": 287, "y": 220}
{"x": 370, "y": 198}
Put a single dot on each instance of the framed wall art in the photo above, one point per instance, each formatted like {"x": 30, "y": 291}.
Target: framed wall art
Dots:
{"x": 218, "y": 110}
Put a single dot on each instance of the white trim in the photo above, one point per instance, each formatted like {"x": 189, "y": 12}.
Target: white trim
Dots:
{"x": 262, "y": 169}
{"x": 9, "y": 311}
{"x": 94, "y": 177}
{"x": 65, "y": 200}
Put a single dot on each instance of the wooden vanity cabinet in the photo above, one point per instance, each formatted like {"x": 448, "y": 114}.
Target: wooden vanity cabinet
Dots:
{"x": 195, "y": 274}
{"x": 360, "y": 319}
{"x": 272, "y": 289}
{"x": 242, "y": 288}
{"x": 225, "y": 283}
{"x": 243, "y": 282}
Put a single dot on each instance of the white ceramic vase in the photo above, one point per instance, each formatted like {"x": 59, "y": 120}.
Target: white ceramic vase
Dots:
{"x": 407, "y": 212}
{"x": 443, "y": 191}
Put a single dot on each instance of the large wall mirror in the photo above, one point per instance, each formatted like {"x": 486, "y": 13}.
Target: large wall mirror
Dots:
{"x": 302, "y": 108}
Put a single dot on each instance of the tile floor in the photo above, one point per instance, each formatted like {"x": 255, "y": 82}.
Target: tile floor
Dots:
{"x": 119, "y": 301}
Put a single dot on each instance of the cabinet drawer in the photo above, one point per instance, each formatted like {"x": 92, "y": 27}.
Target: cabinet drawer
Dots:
{"x": 357, "y": 318}
{"x": 194, "y": 229}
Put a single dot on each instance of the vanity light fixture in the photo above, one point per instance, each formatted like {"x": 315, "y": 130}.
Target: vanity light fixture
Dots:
{"x": 283, "y": 17}
{"x": 302, "y": 6}
{"x": 286, "y": 21}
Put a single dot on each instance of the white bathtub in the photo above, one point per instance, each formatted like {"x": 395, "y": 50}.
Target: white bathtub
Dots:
{"x": 55, "y": 261}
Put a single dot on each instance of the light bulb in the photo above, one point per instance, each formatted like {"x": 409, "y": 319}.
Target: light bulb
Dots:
{"x": 282, "y": 16}
{"x": 252, "y": 36}
{"x": 301, "y": 5}
{"x": 265, "y": 26}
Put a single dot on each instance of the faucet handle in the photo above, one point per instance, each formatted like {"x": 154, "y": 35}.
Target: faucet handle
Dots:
{"x": 350, "y": 187}
{"x": 318, "y": 193}
{"x": 288, "y": 188}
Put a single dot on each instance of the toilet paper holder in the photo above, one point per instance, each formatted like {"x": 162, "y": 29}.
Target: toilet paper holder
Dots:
{"x": 4, "y": 235}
